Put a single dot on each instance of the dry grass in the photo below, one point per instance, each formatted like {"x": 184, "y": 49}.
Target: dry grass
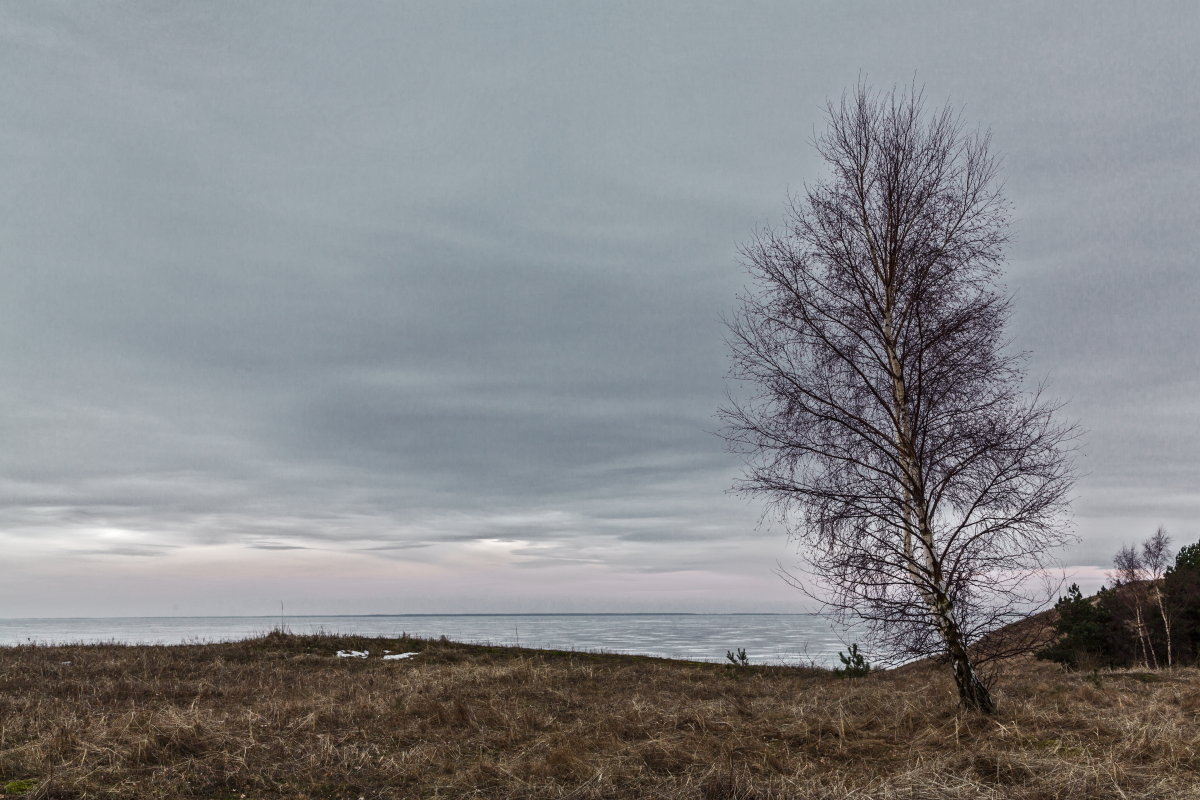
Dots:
{"x": 281, "y": 717}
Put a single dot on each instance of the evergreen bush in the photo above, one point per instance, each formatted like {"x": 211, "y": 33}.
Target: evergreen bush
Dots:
{"x": 854, "y": 665}
{"x": 1084, "y": 630}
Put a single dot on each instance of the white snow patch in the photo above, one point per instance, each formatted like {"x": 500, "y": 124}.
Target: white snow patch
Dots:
{"x": 353, "y": 653}
{"x": 398, "y": 656}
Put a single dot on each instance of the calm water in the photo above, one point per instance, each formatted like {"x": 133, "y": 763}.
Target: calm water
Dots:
{"x": 767, "y": 638}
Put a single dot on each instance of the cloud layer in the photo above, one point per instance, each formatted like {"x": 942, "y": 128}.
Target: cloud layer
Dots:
{"x": 430, "y": 294}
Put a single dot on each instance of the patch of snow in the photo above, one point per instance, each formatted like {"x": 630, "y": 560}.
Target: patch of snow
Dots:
{"x": 398, "y": 656}
{"x": 353, "y": 653}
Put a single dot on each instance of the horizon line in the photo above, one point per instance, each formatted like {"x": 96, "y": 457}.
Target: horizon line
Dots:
{"x": 439, "y": 614}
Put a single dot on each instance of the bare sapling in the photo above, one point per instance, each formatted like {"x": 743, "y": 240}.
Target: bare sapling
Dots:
{"x": 1129, "y": 575}
{"x": 1156, "y": 557}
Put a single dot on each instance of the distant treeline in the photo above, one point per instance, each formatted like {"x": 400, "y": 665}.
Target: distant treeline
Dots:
{"x": 1150, "y": 617}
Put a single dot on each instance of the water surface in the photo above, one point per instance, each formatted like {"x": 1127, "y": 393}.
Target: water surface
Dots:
{"x": 767, "y": 638}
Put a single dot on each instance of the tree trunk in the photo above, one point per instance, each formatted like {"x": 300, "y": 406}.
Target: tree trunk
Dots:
{"x": 971, "y": 692}
{"x": 1149, "y": 658}
{"x": 1166, "y": 618}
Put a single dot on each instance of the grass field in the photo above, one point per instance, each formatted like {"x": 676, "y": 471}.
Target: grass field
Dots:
{"x": 281, "y": 717}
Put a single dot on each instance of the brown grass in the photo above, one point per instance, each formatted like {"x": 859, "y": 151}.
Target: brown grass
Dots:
{"x": 279, "y": 717}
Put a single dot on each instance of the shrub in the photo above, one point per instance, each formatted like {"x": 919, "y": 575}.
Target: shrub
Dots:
{"x": 1084, "y": 627}
{"x": 854, "y": 665}
{"x": 1181, "y": 586}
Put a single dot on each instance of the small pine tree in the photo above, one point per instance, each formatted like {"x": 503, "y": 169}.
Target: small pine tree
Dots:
{"x": 854, "y": 665}
{"x": 738, "y": 659}
{"x": 1084, "y": 631}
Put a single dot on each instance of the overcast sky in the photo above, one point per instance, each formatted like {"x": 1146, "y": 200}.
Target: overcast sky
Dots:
{"x": 415, "y": 307}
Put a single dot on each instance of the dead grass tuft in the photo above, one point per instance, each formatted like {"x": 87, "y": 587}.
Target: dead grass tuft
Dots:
{"x": 281, "y": 717}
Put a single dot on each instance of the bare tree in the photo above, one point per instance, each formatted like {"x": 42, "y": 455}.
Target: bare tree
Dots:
{"x": 886, "y": 422}
{"x": 1156, "y": 556}
{"x": 1129, "y": 576}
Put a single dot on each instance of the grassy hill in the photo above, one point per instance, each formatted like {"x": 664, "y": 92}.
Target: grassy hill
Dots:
{"x": 282, "y": 717}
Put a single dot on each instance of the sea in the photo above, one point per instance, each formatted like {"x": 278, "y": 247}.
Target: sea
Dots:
{"x": 788, "y": 639}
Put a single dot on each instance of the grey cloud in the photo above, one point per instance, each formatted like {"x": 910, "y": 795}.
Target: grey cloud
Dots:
{"x": 394, "y": 280}
{"x": 124, "y": 550}
{"x": 399, "y": 546}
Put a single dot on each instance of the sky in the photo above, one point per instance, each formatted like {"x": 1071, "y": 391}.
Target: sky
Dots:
{"x": 416, "y": 306}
